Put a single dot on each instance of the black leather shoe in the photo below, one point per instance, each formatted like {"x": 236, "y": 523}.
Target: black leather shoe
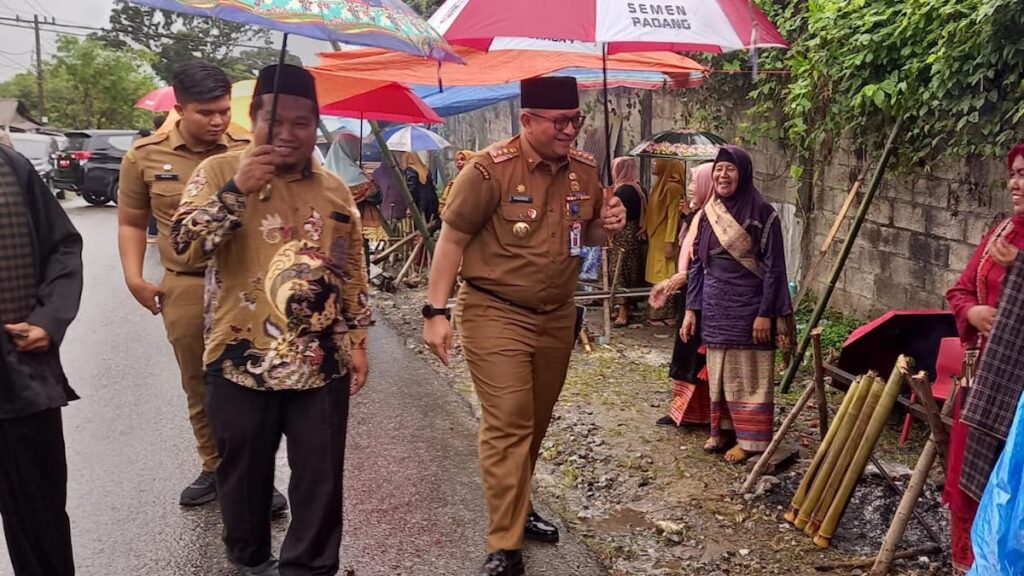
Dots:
{"x": 503, "y": 563}
{"x": 278, "y": 503}
{"x": 539, "y": 529}
{"x": 201, "y": 491}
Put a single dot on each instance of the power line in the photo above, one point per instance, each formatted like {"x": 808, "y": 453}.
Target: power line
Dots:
{"x": 80, "y": 35}
{"x": 119, "y": 31}
{"x": 39, "y": 5}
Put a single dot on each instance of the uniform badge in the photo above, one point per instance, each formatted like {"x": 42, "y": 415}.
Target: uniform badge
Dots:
{"x": 520, "y": 188}
{"x": 574, "y": 186}
{"x": 521, "y": 230}
{"x": 573, "y": 176}
{"x": 532, "y": 213}
{"x": 168, "y": 167}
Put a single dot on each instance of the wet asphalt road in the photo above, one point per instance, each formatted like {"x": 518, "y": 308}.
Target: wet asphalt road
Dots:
{"x": 413, "y": 503}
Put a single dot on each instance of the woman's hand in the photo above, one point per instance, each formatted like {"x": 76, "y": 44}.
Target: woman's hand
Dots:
{"x": 671, "y": 250}
{"x": 689, "y": 327}
{"x": 1004, "y": 253}
{"x": 982, "y": 318}
{"x": 664, "y": 290}
{"x": 762, "y": 330}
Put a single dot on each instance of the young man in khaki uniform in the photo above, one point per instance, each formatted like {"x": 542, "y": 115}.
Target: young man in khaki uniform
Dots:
{"x": 518, "y": 217}
{"x": 153, "y": 176}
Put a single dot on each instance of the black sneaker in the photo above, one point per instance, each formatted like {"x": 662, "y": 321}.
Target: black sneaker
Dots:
{"x": 503, "y": 563}
{"x": 202, "y": 490}
{"x": 268, "y": 568}
{"x": 278, "y": 504}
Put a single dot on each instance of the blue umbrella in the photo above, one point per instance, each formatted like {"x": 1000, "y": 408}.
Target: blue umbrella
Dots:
{"x": 415, "y": 139}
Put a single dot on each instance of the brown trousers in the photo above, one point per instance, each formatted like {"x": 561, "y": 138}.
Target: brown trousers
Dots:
{"x": 183, "y": 319}
{"x": 518, "y": 360}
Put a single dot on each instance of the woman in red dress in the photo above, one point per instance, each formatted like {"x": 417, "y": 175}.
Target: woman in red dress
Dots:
{"x": 973, "y": 300}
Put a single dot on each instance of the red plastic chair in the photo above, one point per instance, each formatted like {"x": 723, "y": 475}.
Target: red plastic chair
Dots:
{"x": 948, "y": 364}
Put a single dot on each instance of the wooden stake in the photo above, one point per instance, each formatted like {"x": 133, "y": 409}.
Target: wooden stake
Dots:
{"x": 887, "y": 554}
{"x": 766, "y": 457}
{"x": 819, "y": 382}
{"x": 409, "y": 262}
{"x": 865, "y": 562}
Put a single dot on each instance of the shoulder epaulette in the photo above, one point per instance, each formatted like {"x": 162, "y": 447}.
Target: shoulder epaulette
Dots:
{"x": 482, "y": 170}
{"x": 585, "y": 157}
{"x": 151, "y": 139}
{"x": 503, "y": 153}
{"x": 239, "y": 135}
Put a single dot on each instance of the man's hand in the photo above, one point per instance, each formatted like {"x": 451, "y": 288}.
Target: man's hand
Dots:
{"x": 689, "y": 327}
{"x": 982, "y": 318}
{"x": 437, "y": 333}
{"x": 613, "y": 215}
{"x": 358, "y": 369}
{"x": 147, "y": 294}
{"x": 1004, "y": 253}
{"x": 762, "y": 330}
{"x": 255, "y": 170}
{"x": 28, "y": 338}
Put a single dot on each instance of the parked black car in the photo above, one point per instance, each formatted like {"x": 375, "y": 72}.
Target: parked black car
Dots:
{"x": 91, "y": 163}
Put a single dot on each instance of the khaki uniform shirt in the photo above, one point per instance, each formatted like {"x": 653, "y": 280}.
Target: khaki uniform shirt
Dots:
{"x": 286, "y": 288}
{"x": 153, "y": 176}
{"x": 520, "y": 210}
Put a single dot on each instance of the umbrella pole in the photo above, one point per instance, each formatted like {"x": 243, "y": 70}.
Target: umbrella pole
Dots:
{"x": 837, "y": 270}
{"x": 607, "y": 118}
{"x": 360, "y": 140}
{"x": 265, "y": 193}
{"x": 417, "y": 216}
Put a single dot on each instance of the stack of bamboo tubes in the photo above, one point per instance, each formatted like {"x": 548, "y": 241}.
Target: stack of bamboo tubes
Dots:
{"x": 821, "y": 499}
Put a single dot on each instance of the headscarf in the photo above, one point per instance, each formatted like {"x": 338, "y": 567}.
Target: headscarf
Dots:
{"x": 703, "y": 188}
{"x": 672, "y": 173}
{"x": 746, "y": 205}
{"x": 413, "y": 160}
{"x": 466, "y": 155}
{"x": 625, "y": 172}
{"x": 1018, "y": 150}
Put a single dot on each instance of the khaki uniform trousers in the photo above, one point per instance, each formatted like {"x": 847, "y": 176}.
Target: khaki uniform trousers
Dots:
{"x": 518, "y": 360}
{"x": 183, "y": 313}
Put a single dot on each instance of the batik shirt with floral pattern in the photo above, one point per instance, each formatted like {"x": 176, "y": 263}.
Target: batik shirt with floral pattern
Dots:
{"x": 286, "y": 288}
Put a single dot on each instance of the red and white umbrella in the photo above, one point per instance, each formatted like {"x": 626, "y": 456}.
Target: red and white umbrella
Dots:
{"x": 159, "y": 100}
{"x": 618, "y": 25}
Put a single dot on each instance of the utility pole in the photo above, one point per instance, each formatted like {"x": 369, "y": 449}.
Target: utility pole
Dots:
{"x": 39, "y": 71}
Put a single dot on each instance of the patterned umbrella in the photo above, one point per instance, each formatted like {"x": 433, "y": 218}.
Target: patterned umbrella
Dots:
{"x": 682, "y": 144}
{"x": 388, "y": 24}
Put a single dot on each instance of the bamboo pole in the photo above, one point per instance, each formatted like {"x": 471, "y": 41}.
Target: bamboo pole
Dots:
{"x": 866, "y": 562}
{"x": 842, "y": 437}
{"x": 887, "y": 553}
{"x": 819, "y": 382}
{"x": 607, "y": 304}
{"x": 844, "y": 254}
{"x": 394, "y": 248}
{"x": 822, "y": 453}
{"x": 784, "y": 428}
{"x": 845, "y": 458}
{"x": 867, "y": 445}
{"x": 409, "y": 262}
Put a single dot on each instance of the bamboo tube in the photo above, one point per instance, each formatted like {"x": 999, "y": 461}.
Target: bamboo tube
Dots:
{"x": 845, "y": 457}
{"x": 867, "y": 445}
{"x": 841, "y": 438}
{"x": 819, "y": 456}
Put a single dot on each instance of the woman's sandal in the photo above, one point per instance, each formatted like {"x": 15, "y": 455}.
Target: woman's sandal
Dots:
{"x": 658, "y": 323}
{"x": 718, "y": 445}
{"x": 737, "y": 455}
{"x": 620, "y": 323}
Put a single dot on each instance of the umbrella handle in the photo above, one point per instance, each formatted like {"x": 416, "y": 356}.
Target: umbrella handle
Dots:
{"x": 265, "y": 193}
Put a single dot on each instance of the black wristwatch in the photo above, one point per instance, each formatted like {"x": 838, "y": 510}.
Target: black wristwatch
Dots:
{"x": 429, "y": 312}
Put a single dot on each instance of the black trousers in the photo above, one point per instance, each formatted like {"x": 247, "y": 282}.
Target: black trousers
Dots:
{"x": 33, "y": 494}
{"x": 247, "y": 427}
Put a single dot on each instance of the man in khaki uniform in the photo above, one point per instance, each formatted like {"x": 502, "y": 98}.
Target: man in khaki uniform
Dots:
{"x": 518, "y": 217}
{"x": 153, "y": 176}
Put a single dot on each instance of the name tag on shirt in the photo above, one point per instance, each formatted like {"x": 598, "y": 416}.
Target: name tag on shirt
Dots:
{"x": 575, "y": 239}
{"x": 166, "y": 176}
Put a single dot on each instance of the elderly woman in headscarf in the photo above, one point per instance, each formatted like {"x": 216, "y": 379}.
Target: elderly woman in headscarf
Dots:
{"x": 662, "y": 229}
{"x": 738, "y": 286}
{"x": 421, "y": 185}
{"x": 626, "y": 244}
{"x": 691, "y": 400}
{"x": 462, "y": 157}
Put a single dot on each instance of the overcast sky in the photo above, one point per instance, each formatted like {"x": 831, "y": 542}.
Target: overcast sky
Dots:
{"x": 17, "y": 45}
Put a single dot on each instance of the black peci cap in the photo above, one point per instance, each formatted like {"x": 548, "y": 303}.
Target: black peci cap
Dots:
{"x": 550, "y": 93}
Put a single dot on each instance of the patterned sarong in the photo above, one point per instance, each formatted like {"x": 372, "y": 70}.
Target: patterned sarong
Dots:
{"x": 742, "y": 386}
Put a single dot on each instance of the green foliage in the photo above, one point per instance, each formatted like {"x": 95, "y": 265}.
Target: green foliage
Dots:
{"x": 953, "y": 70}
{"x": 89, "y": 85}
{"x": 177, "y": 38}
{"x": 835, "y": 326}
{"x": 425, "y": 7}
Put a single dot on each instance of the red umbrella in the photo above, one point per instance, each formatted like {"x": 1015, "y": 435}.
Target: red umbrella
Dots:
{"x": 159, "y": 100}
{"x": 390, "y": 103}
{"x": 591, "y": 25}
